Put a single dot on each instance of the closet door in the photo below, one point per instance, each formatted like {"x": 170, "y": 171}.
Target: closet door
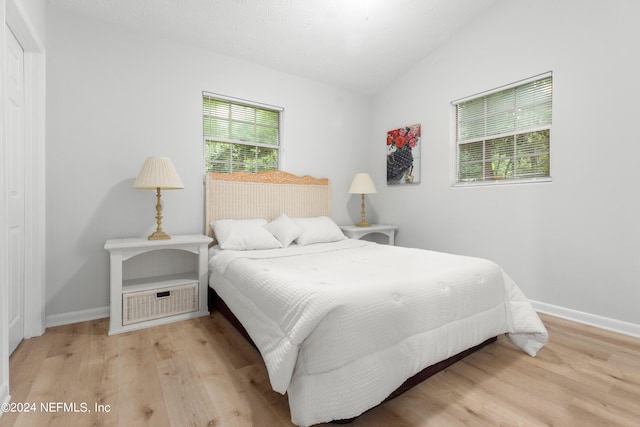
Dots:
{"x": 14, "y": 75}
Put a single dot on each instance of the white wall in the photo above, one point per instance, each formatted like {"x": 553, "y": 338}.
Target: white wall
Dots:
{"x": 115, "y": 97}
{"x": 572, "y": 243}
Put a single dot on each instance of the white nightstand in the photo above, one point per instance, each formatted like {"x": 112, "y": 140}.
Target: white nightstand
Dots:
{"x": 355, "y": 232}
{"x": 157, "y": 281}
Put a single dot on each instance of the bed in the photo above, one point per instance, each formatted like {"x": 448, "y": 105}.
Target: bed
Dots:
{"x": 341, "y": 324}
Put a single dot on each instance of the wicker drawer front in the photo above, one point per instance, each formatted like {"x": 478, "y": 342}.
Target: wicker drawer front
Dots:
{"x": 157, "y": 303}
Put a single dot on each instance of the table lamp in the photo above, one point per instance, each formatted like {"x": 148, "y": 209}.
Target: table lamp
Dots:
{"x": 362, "y": 184}
{"x": 158, "y": 173}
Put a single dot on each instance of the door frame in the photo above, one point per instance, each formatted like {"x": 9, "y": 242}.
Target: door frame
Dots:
{"x": 34, "y": 139}
{"x": 15, "y": 17}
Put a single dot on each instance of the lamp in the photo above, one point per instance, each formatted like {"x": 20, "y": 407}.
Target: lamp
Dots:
{"x": 158, "y": 173}
{"x": 362, "y": 184}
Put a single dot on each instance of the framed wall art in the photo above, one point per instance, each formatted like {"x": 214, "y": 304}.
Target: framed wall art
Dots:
{"x": 403, "y": 155}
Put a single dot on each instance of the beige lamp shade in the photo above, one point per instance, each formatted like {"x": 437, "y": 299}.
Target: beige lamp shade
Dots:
{"x": 158, "y": 172}
{"x": 362, "y": 184}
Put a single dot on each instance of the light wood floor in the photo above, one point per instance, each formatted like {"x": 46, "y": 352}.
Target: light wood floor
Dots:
{"x": 202, "y": 373}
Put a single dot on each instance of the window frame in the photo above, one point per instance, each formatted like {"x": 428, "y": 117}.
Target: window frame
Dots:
{"x": 455, "y": 179}
{"x": 243, "y": 103}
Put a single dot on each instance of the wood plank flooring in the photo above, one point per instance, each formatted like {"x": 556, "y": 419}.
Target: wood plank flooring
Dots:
{"x": 201, "y": 372}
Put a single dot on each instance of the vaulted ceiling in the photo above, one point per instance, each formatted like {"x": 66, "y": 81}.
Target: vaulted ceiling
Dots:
{"x": 359, "y": 45}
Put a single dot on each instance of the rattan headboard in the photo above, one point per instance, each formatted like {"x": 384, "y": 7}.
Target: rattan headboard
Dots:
{"x": 264, "y": 195}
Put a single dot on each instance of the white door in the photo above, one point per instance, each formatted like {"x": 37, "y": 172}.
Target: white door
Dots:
{"x": 16, "y": 185}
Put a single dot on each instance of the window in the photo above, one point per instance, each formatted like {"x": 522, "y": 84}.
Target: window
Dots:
{"x": 504, "y": 135}
{"x": 240, "y": 136}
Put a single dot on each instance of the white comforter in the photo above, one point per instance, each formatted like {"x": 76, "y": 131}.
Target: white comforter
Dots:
{"x": 341, "y": 325}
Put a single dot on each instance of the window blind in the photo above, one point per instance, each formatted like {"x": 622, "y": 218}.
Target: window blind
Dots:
{"x": 239, "y": 135}
{"x": 505, "y": 134}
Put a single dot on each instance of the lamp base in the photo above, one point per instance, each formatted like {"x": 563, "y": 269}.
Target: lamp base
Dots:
{"x": 363, "y": 222}
{"x": 159, "y": 235}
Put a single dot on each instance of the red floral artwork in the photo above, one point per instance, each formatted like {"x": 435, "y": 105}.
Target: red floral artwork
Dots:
{"x": 403, "y": 155}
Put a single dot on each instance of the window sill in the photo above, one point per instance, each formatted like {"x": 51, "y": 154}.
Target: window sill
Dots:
{"x": 501, "y": 182}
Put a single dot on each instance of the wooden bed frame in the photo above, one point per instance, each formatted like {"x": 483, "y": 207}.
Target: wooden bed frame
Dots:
{"x": 267, "y": 195}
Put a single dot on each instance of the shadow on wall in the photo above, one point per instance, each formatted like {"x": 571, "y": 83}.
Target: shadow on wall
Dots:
{"x": 80, "y": 280}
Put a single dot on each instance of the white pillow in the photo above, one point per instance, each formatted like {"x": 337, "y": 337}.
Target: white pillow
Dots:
{"x": 243, "y": 234}
{"x": 284, "y": 229}
{"x": 319, "y": 229}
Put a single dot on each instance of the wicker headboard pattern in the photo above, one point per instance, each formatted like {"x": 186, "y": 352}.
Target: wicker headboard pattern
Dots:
{"x": 264, "y": 195}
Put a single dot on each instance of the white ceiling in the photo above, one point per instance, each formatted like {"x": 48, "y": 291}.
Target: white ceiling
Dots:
{"x": 360, "y": 45}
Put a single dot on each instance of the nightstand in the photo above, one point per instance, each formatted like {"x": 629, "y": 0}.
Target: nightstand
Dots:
{"x": 355, "y": 232}
{"x": 157, "y": 281}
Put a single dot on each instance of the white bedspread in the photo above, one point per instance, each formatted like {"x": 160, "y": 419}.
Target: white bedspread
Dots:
{"x": 341, "y": 325}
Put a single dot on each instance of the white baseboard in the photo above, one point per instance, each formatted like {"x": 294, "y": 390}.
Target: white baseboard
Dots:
{"x": 77, "y": 316}
{"x": 601, "y": 322}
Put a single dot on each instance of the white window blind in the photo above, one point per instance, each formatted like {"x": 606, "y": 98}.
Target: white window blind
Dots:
{"x": 505, "y": 134}
{"x": 240, "y": 135}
